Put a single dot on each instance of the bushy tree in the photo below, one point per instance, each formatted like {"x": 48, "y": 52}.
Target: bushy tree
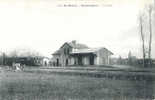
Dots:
{"x": 146, "y": 24}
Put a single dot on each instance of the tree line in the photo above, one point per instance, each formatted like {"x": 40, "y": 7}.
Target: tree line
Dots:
{"x": 25, "y": 57}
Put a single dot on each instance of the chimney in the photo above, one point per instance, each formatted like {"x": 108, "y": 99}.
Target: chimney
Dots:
{"x": 74, "y": 42}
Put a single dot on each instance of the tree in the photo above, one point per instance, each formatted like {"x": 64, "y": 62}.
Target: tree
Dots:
{"x": 24, "y": 52}
{"x": 119, "y": 61}
{"x": 146, "y": 30}
{"x": 150, "y": 31}
{"x": 3, "y": 58}
{"x": 142, "y": 37}
{"x": 129, "y": 58}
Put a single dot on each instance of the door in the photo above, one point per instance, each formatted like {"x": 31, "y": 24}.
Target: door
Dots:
{"x": 79, "y": 60}
{"x": 66, "y": 62}
{"x": 91, "y": 59}
{"x": 57, "y": 63}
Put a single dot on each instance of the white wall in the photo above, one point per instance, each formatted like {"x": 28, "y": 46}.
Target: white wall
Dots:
{"x": 85, "y": 60}
{"x": 102, "y": 57}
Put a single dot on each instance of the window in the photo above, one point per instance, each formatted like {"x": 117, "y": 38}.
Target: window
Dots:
{"x": 67, "y": 51}
{"x": 64, "y": 51}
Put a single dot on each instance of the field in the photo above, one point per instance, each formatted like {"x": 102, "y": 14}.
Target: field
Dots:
{"x": 32, "y": 85}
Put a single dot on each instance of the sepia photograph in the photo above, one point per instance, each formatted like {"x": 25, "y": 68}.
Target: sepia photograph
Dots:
{"x": 77, "y": 49}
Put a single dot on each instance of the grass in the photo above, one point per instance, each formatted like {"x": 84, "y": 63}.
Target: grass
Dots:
{"x": 42, "y": 86}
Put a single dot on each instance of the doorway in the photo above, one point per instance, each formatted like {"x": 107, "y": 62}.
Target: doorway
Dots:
{"x": 79, "y": 60}
{"x": 66, "y": 62}
{"x": 57, "y": 62}
{"x": 91, "y": 59}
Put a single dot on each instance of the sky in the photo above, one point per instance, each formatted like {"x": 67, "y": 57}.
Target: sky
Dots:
{"x": 44, "y": 25}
